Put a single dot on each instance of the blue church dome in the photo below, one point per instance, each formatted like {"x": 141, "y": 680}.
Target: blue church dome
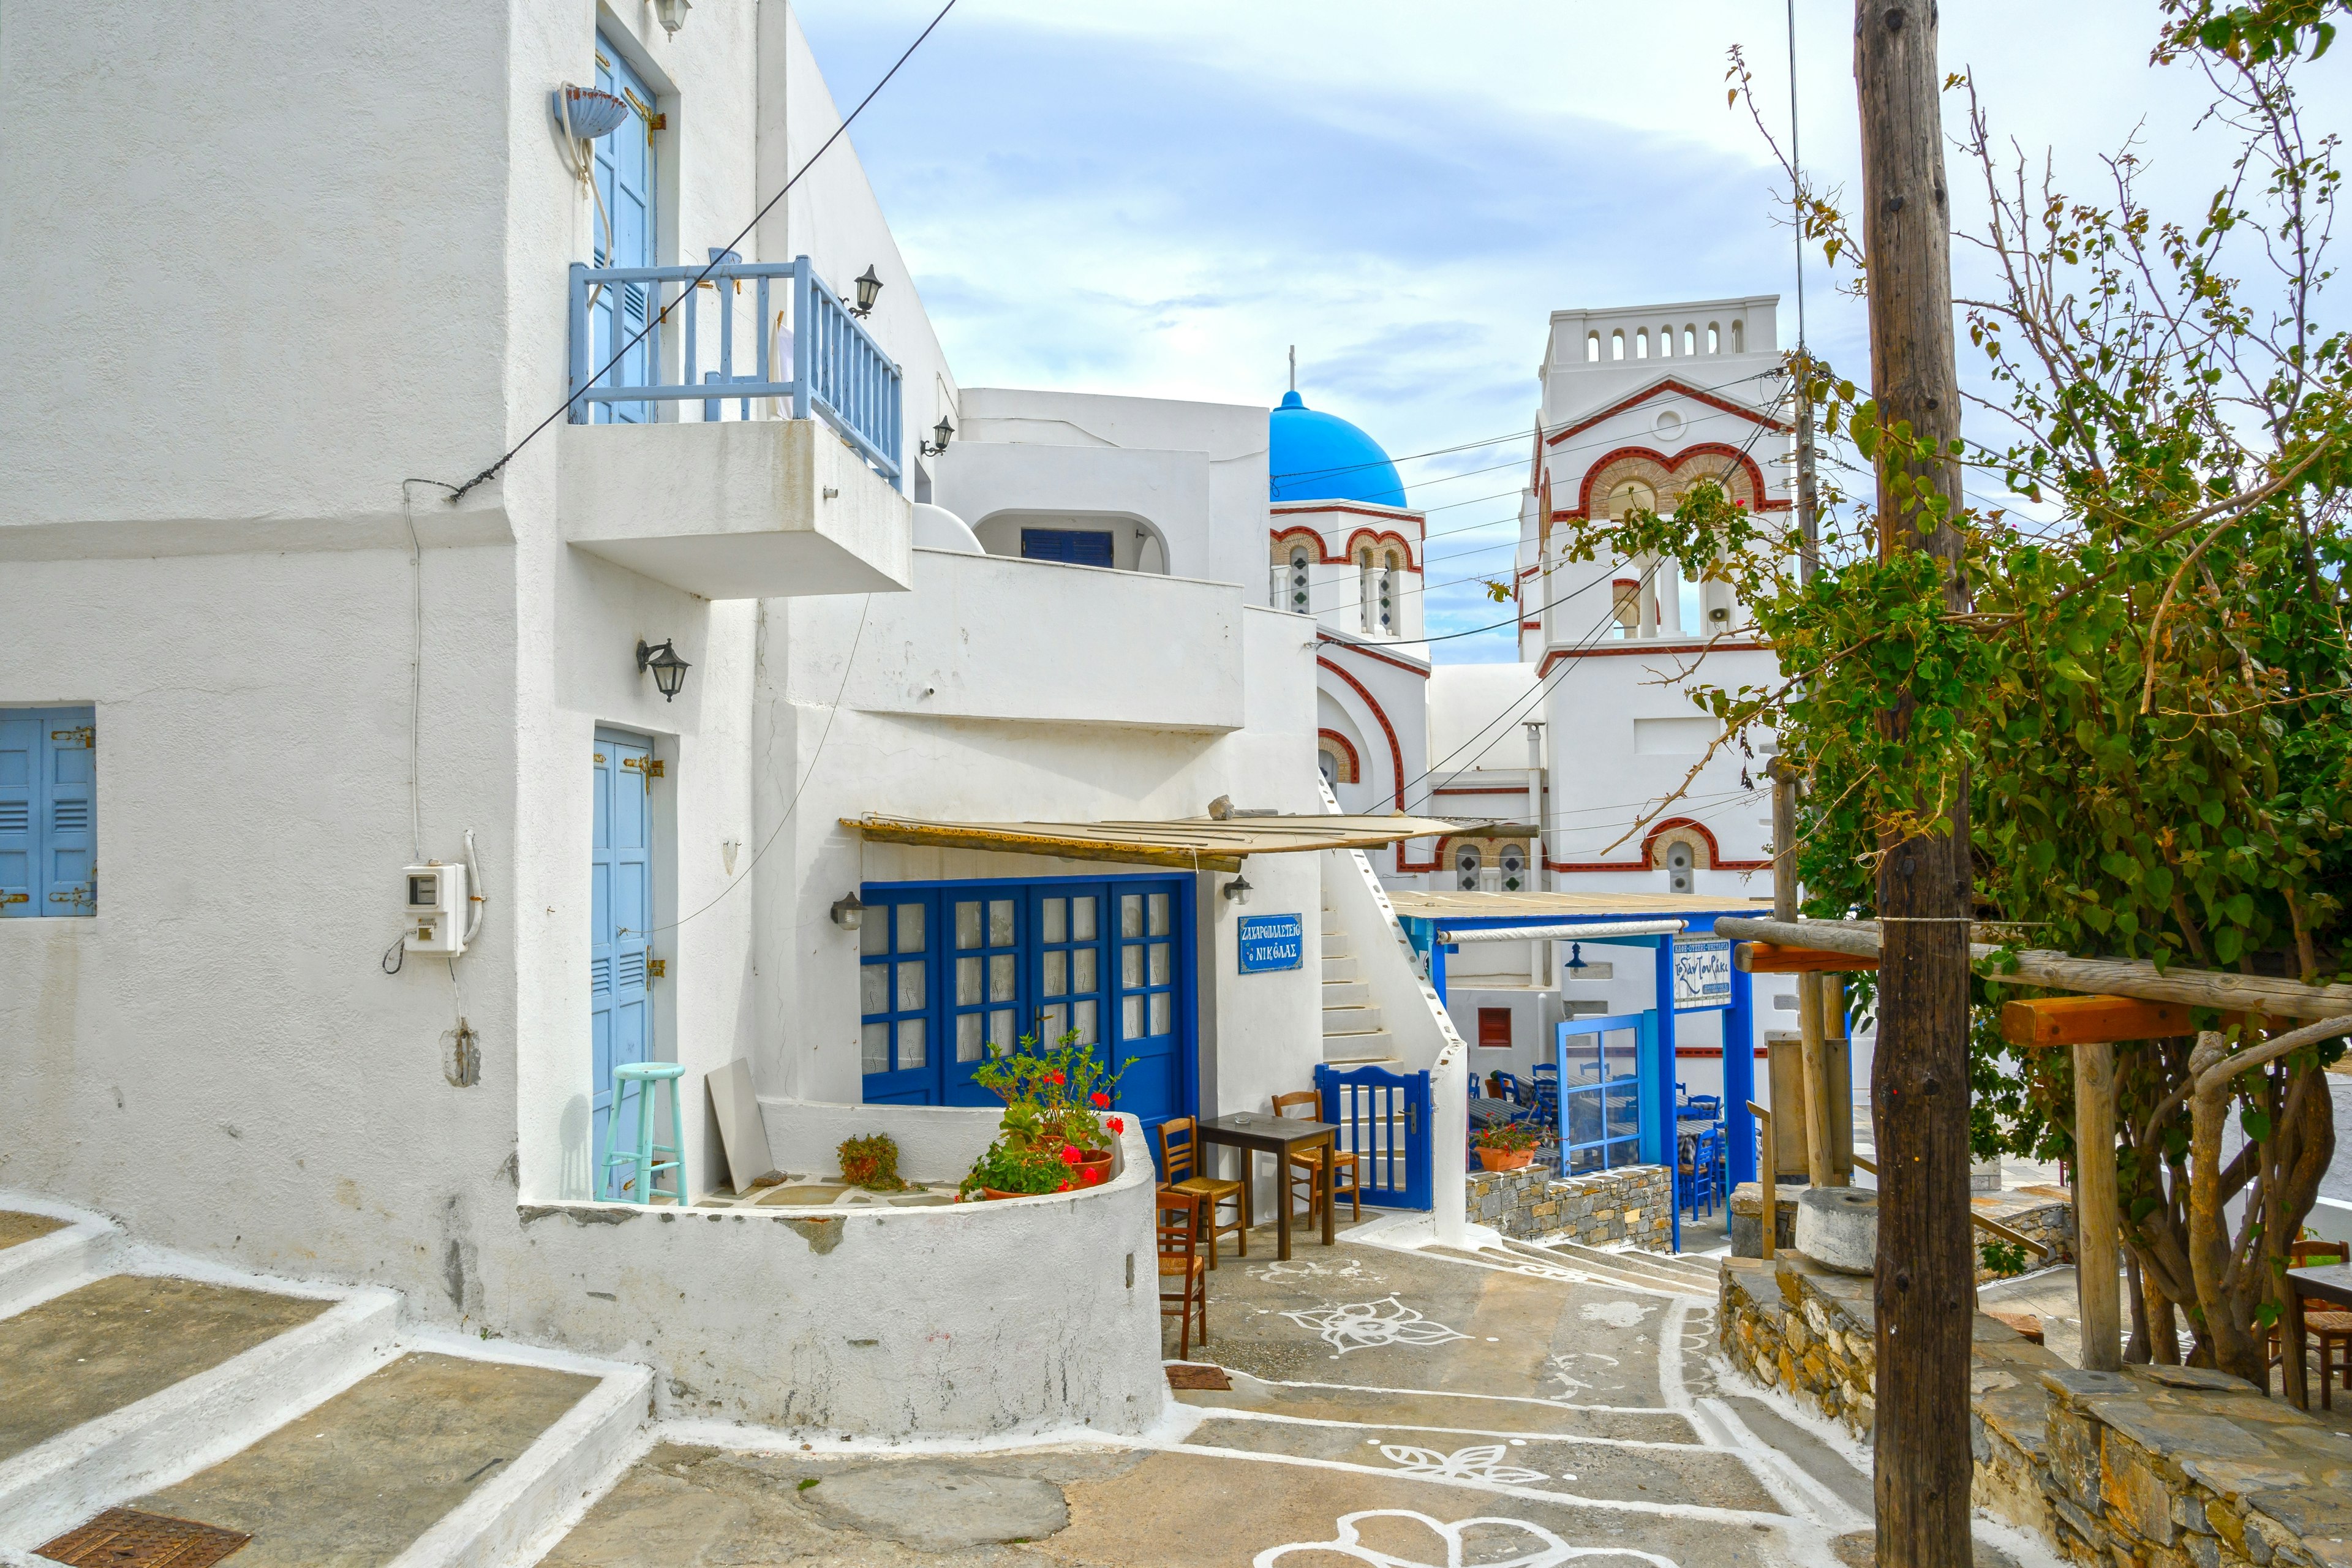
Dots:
{"x": 1321, "y": 456}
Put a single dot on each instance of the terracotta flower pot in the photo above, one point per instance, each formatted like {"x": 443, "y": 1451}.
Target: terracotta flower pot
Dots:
{"x": 1507, "y": 1159}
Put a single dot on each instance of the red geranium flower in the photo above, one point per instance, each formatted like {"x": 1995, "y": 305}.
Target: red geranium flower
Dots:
{"x": 1092, "y": 1174}
{"x": 1115, "y": 1124}
{"x": 1070, "y": 1156}
{"x": 1053, "y": 1078}
{"x": 1063, "y": 1188}
{"x": 1101, "y": 1100}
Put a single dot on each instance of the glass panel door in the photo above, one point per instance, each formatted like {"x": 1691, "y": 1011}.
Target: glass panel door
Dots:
{"x": 1151, "y": 1001}
{"x": 984, "y": 1008}
{"x": 895, "y": 1043}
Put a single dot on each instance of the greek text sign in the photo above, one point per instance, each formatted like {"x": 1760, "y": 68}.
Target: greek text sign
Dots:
{"x": 1702, "y": 974}
{"x": 1271, "y": 942}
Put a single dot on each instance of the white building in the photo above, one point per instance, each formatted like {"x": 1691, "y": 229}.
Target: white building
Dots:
{"x": 250, "y": 363}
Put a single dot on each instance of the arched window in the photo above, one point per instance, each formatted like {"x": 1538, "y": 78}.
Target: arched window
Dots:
{"x": 1713, "y": 339}
{"x": 1679, "y": 863}
{"x": 1665, "y": 342}
{"x": 1515, "y": 867}
{"x": 1365, "y": 586}
{"x": 1338, "y": 765}
{"x": 1329, "y": 767}
{"x": 1591, "y": 348}
{"x": 1642, "y": 343}
{"x": 1738, "y": 337}
{"x": 1298, "y": 562}
{"x": 1467, "y": 863}
{"x": 1388, "y": 593}
{"x": 1690, "y": 339}
{"x": 1617, "y": 345}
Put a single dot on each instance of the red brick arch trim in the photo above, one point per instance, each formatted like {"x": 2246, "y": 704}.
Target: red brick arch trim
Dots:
{"x": 1671, "y": 386}
{"x": 1382, "y": 538}
{"x": 1396, "y": 751}
{"x": 1715, "y": 861}
{"x": 1673, "y": 465}
{"x": 1347, "y": 749}
{"x": 1286, "y": 538}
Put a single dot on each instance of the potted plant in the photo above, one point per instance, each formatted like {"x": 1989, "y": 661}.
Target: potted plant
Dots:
{"x": 1506, "y": 1146}
{"x": 1055, "y": 1136}
{"x": 871, "y": 1162}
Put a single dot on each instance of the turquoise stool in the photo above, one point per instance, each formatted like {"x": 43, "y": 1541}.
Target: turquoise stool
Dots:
{"x": 645, "y": 1077}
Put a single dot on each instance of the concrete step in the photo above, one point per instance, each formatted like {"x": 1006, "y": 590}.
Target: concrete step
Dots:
{"x": 1656, "y": 1270}
{"x": 1371, "y": 1409}
{"x": 1337, "y": 945}
{"x": 1336, "y": 969}
{"x": 43, "y": 1255}
{"x": 1369, "y": 1046}
{"x": 1349, "y": 1017}
{"x": 1601, "y": 1270}
{"x": 138, "y": 1378}
{"x": 1345, "y": 994}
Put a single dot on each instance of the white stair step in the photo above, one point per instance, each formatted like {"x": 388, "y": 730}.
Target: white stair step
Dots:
{"x": 33, "y": 1271}
{"x": 197, "y": 1422}
{"x": 1345, "y": 994}
{"x": 1338, "y": 969}
{"x": 1373, "y": 1046}
{"x": 1352, "y": 1020}
{"x": 1337, "y": 945}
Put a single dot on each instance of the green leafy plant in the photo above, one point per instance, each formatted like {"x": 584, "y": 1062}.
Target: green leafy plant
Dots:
{"x": 1056, "y": 1099}
{"x": 1509, "y": 1137}
{"x": 2003, "y": 1258}
{"x": 872, "y": 1163}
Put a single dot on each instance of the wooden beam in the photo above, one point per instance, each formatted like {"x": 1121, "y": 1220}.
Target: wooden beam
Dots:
{"x": 2097, "y": 1226}
{"x": 1064, "y": 848}
{"x": 2083, "y": 1020}
{"x": 1765, "y": 1185}
{"x": 1770, "y": 958}
{"x": 2269, "y": 995}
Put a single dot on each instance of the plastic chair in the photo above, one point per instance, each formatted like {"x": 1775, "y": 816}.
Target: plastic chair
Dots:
{"x": 643, "y": 1163}
{"x": 1177, "y": 1234}
{"x": 1180, "y": 1165}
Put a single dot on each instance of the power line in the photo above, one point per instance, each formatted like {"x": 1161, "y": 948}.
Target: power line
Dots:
{"x": 653, "y": 318}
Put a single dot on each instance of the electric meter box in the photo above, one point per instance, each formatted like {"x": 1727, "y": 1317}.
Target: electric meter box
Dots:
{"x": 436, "y": 910}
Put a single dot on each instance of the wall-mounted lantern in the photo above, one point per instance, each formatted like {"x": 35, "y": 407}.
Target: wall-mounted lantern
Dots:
{"x": 1238, "y": 890}
{"x": 941, "y": 433}
{"x": 670, "y": 671}
{"x": 849, "y": 911}
{"x": 584, "y": 113}
{"x": 869, "y": 289}
{"x": 671, "y": 14}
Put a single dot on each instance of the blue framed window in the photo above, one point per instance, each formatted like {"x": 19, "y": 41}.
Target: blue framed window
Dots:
{"x": 1076, "y": 546}
{"x": 950, "y": 969}
{"x": 1600, "y": 1095}
{"x": 48, "y": 812}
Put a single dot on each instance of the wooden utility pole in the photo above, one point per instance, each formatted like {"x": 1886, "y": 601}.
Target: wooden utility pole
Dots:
{"x": 1919, "y": 1072}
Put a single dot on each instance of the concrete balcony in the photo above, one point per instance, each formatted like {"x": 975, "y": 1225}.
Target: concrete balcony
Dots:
{"x": 987, "y": 636}
{"x": 736, "y": 509}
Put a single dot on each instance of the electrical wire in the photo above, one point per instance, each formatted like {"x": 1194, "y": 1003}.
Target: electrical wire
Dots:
{"x": 653, "y": 319}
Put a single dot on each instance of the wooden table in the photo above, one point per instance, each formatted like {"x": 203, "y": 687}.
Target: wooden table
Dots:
{"x": 2329, "y": 1282}
{"x": 1255, "y": 1134}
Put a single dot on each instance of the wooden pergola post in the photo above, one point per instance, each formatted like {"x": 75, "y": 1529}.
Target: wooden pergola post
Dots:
{"x": 2092, "y": 1025}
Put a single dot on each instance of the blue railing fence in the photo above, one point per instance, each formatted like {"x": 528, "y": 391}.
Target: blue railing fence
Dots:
{"x": 751, "y": 330}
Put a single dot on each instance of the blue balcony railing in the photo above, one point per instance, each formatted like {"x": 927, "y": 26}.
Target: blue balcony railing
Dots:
{"x": 769, "y": 316}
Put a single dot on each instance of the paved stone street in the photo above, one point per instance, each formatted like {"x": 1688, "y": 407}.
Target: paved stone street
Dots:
{"x": 1387, "y": 1406}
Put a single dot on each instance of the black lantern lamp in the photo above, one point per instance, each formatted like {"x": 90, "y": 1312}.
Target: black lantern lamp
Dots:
{"x": 1576, "y": 956}
{"x": 1238, "y": 889}
{"x": 940, "y": 435}
{"x": 849, "y": 911}
{"x": 670, "y": 671}
{"x": 869, "y": 288}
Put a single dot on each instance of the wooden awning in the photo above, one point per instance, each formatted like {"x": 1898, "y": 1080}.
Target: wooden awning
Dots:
{"x": 1191, "y": 843}
{"x": 1442, "y": 905}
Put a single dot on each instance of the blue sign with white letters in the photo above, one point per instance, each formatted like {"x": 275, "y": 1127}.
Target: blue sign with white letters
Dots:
{"x": 1271, "y": 942}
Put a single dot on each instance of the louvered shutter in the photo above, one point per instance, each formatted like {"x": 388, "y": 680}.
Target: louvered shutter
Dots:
{"x": 69, "y": 840}
{"x": 20, "y": 776}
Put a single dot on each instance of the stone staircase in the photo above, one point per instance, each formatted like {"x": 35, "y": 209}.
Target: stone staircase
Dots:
{"x": 1353, "y": 1033}
{"x": 303, "y": 1417}
{"x": 1655, "y": 1271}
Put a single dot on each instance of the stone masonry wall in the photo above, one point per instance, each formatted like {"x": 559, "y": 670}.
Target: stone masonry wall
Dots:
{"x": 1634, "y": 1203}
{"x": 2157, "y": 1467}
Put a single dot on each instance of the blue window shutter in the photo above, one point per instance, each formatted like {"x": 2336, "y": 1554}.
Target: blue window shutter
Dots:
{"x": 48, "y": 812}
{"x": 1076, "y": 546}
{"x": 20, "y": 802}
{"x": 70, "y": 836}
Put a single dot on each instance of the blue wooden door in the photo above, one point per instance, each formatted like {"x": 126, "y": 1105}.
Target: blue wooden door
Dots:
{"x": 894, "y": 977}
{"x": 1383, "y": 1119}
{"x": 1151, "y": 938}
{"x": 625, "y": 180}
{"x": 620, "y": 917}
{"x": 983, "y": 927}
{"x": 48, "y": 812}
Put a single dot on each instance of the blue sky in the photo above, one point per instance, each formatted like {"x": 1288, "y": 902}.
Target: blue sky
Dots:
{"x": 1158, "y": 198}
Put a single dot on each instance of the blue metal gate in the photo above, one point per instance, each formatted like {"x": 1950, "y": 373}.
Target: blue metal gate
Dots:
{"x": 1383, "y": 1119}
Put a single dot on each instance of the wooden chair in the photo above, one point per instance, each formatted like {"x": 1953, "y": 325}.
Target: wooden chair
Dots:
{"x": 2330, "y": 1331}
{"x": 1178, "y": 1224}
{"x": 1306, "y": 1165}
{"x": 1179, "y": 1173}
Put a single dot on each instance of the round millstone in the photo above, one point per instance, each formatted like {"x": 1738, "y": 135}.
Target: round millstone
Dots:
{"x": 1837, "y": 1227}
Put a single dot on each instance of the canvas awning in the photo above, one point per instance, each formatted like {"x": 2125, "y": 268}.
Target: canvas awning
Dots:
{"x": 1191, "y": 843}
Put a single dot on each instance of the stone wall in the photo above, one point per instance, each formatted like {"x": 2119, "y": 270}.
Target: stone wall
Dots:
{"x": 2157, "y": 1467}
{"x": 1634, "y": 1203}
